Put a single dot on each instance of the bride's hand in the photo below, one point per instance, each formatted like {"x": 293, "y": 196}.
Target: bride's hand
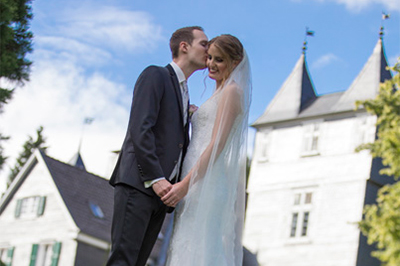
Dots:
{"x": 178, "y": 191}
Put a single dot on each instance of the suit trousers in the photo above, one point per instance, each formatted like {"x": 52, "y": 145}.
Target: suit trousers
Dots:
{"x": 137, "y": 221}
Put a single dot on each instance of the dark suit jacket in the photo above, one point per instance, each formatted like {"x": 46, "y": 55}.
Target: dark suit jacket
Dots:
{"x": 156, "y": 133}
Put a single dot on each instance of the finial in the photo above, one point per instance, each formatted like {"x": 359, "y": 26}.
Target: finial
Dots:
{"x": 86, "y": 121}
{"x": 308, "y": 33}
{"x": 384, "y": 17}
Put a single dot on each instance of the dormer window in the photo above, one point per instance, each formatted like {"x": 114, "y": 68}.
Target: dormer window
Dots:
{"x": 96, "y": 210}
{"x": 30, "y": 207}
{"x": 365, "y": 130}
{"x": 265, "y": 143}
{"x": 311, "y": 139}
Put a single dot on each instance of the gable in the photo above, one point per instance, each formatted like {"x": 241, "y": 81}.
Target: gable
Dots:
{"x": 27, "y": 192}
{"x": 89, "y": 198}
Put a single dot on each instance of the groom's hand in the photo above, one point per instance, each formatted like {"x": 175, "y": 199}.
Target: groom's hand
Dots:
{"x": 162, "y": 187}
{"x": 174, "y": 196}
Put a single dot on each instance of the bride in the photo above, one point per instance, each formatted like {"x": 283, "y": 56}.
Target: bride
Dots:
{"x": 209, "y": 216}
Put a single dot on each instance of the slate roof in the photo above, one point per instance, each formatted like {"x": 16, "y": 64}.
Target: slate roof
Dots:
{"x": 322, "y": 105}
{"x": 295, "y": 99}
{"x": 249, "y": 259}
{"x": 296, "y": 93}
{"x": 79, "y": 189}
{"x": 366, "y": 85}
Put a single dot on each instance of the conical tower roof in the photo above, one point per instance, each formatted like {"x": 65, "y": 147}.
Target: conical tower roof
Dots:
{"x": 296, "y": 93}
{"x": 366, "y": 85}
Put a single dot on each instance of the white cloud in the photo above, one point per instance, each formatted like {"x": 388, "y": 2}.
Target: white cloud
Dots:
{"x": 70, "y": 50}
{"x": 59, "y": 97}
{"x": 324, "y": 60}
{"x": 113, "y": 28}
{"x": 64, "y": 89}
{"x": 98, "y": 34}
{"x": 357, "y": 5}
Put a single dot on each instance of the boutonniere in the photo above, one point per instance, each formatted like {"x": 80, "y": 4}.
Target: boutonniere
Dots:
{"x": 192, "y": 109}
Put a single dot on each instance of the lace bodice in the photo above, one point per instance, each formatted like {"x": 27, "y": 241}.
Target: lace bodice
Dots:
{"x": 202, "y": 126}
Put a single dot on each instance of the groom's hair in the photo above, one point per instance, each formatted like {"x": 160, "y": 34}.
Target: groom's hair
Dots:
{"x": 182, "y": 35}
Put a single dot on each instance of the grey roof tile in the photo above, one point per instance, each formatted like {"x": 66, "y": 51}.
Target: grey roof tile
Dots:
{"x": 78, "y": 189}
{"x": 295, "y": 99}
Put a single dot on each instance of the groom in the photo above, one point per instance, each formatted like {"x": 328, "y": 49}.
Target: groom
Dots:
{"x": 154, "y": 147}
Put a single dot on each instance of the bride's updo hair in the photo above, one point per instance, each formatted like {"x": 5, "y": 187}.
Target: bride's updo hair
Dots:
{"x": 231, "y": 48}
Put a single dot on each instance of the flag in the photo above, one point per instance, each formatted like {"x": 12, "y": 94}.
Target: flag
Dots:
{"x": 310, "y": 33}
{"x": 385, "y": 16}
{"x": 88, "y": 120}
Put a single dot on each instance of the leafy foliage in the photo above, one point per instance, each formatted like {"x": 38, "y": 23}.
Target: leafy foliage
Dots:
{"x": 2, "y": 157}
{"x": 29, "y": 146}
{"x": 15, "y": 43}
{"x": 381, "y": 223}
{"x": 16, "y": 39}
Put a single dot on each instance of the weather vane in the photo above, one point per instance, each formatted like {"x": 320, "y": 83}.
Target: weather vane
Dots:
{"x": 308, "y": 33}
{"x": 86, "y": 121}
{"x": 384, "y": 17}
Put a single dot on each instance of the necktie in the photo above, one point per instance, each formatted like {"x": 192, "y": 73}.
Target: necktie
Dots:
{"x": 185, "y": 101}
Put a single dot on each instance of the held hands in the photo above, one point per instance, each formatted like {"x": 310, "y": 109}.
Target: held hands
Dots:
{"x": 162, "y": 187}
{"x": 178, "y": 191}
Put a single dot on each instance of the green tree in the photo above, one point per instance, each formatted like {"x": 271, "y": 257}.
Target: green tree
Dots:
{"x": 2, "y": 157}
{"x": 381, "y": 223}
{"x": 15, "y": 43}
{"x": 29, "y": 146}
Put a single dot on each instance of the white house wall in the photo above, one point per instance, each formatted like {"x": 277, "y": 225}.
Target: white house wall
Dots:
{"x": 54, "y": 225}
{"x": 336, "y": 177}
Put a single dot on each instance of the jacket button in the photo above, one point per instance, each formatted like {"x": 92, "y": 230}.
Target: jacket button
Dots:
{"x": 175, "y": 162}
{"x": 180, "y": 145}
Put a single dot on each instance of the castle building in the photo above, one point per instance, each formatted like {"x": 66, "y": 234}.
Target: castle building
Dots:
{"x": 308, "y": 186}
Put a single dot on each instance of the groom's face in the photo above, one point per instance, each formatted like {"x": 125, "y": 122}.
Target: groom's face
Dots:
{"x": 197, "y": 50}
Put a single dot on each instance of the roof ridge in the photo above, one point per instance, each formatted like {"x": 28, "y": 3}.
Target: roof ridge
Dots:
{"x": 45, "y": 156}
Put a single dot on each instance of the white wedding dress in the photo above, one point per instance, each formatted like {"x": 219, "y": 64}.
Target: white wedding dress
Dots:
{"x": 209, "y": 219}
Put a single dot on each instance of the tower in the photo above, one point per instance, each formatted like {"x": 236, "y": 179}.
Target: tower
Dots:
{"x": 308, "y": 186}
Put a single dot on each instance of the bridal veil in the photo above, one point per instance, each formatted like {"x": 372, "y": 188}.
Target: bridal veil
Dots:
{"x": 215, "y": 203}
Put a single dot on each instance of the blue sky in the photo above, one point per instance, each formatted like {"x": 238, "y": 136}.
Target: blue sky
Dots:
{"x": 88, "y": 55}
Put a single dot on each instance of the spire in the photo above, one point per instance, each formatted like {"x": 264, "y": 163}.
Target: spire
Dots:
{"x": 77, "y": 161}
{"x": 296, "y": 93}
{"x": 366, "y": 84}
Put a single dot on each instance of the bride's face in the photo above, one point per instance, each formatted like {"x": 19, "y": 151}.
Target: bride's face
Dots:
{"x": 217, "y": 65}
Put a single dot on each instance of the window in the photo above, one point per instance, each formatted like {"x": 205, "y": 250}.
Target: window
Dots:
{"x": 45, "y": 254}
{"x": 30, "y": 207}
{"x": 311, "y": 139}
{"x": 301, "y": 211}
{"x": 297, "y": 198}
{"x": 265, "y": 144}
{"x": 96, "y": 210}
{"x": 6, "y": 256}
{"x": 305, "y": 224}
{"x": 294, "y": 224}
{"x": 365, "y": 131}
{"x": 308, "y": 198}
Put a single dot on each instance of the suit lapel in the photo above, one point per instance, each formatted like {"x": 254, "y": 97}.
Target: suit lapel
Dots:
{"x": 177, "y": 88}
